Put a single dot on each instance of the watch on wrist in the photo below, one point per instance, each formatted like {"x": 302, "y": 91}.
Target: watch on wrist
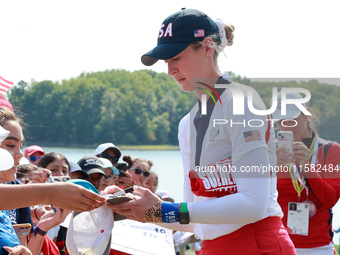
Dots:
{"x": 183, "y": 216}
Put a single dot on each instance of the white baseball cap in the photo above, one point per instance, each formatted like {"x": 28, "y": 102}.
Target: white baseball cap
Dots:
{"x": 6, "y": 159}
{"x": 107, "y": 163}
{"x": 24, "y": 161}
{"x": 76, "y": 168}
{"x": 90, "y": 232}
{"x": 104, "y": 146}
{"x": 292, "y": 111}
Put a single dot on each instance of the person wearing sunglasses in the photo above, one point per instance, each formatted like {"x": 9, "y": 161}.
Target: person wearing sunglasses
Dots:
{"x": 108, "y": 151}
{"x": 34, "y": 153}
{"x": 138, "y": 168}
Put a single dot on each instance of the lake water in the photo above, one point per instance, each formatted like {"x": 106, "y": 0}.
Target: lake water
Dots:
{"x": 168, "y": 167}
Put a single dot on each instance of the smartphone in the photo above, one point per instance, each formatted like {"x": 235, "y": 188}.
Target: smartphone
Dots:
{"x": 5, "y": 250}
{"x": 118, "y": 199}
{"x": 22, "y": 231}
{"x": 121, "y": 166}
{"x": 285, "y": 140}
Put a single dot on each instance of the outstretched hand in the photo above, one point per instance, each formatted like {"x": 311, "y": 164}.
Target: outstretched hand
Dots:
{"x": 74, "y": 197}
{"x": 41, "y": 175}
{"x": 51, "y": 219}
{"x": 136, "y": 209}
{"x": 18, "y": 250}
{"x": 110, "y": 190}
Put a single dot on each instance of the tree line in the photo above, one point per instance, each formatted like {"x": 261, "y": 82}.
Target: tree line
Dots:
{"x": 134, "y": 108}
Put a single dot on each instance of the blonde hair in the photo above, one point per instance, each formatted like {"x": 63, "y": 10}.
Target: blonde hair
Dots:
{"x": 311, "y": 121}
{"x": 229, "y": 33}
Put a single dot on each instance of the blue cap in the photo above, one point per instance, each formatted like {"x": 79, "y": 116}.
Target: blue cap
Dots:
{"x": 177, "y": 32}
{"x": 86, "y": 184}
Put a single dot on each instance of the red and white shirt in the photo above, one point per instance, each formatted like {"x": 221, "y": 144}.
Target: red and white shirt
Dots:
{"x": 241, "y": 199}
{"x": 324, "y": 191}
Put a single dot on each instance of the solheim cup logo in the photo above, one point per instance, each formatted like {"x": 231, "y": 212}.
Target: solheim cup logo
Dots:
{"x": 204, "y": 97}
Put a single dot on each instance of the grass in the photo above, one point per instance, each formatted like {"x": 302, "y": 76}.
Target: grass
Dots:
{"x": 336, "y": 248}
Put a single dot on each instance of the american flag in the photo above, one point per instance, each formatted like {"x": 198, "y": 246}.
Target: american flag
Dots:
{"x": 253, "y": 135}
{"x": 199, "y": 33}
{"x": 4, "y": 85}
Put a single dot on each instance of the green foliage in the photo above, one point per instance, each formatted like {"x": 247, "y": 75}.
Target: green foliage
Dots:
{"x": 324, "y": 104}
{"x": 135, "y": 108}
{"x": 132, "y": 108}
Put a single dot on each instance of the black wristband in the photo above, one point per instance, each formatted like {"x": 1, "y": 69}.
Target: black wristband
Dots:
{"x": 38, "y": 231}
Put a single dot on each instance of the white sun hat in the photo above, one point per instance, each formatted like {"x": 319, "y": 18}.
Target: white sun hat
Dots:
{"x": 89, "y": 233}
{"x": 105, "y": 146}
{"x": 292, "y": 111}
{"x": 6, "y": 159}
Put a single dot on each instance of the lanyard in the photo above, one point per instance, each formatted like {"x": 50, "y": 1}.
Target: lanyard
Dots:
{"x": 298, "y": 182}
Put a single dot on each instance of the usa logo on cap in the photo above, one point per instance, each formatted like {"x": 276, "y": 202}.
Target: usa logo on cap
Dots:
{"x": 199, "y": 33}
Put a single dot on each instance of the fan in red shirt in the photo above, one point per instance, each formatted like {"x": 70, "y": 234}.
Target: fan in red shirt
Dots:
{"x": 316, "y": 162}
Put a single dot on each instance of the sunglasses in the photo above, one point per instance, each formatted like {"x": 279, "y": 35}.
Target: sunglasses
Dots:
{"x": 139, "y": 171}
{"x": 109, "y": 157}
{"x": 112, "y": 177}
{"x": 34, "y": 158}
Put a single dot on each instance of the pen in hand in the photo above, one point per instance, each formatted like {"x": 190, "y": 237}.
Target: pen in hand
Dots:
{"x": 123, "y": 192}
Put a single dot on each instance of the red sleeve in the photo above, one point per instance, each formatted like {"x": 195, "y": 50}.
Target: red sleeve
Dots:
{"x": 49, "y": 247}
{"x": 325, "y": 180}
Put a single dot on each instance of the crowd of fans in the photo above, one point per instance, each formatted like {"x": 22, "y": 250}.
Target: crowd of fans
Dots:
{"x": 35, "y": 226}
{"x": 42, "y": 221}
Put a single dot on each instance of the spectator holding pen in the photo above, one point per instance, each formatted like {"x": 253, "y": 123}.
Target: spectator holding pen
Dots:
{"x": 56, "y": 162}
{"x": 53, "y": 163}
